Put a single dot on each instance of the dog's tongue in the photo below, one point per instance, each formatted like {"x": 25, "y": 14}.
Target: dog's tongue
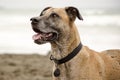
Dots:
{"x": 36, "y": 36}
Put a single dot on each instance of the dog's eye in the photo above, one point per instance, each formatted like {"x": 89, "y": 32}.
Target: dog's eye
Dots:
{"x": 54, "y": 15}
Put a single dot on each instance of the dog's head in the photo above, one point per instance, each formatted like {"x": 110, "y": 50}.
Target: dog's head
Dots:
{"x": 54, "y": 24}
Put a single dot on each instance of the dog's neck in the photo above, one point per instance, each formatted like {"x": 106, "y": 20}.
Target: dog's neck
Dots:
{"x": 66, "y": 45}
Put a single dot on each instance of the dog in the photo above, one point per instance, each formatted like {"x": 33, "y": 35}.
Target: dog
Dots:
{"x": 72, "y": 60}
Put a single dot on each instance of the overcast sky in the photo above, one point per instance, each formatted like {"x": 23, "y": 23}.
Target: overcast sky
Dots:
{"x": 28, "y": 4}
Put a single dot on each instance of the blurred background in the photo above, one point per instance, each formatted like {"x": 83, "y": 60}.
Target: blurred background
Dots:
{"x": 100, "y": 29}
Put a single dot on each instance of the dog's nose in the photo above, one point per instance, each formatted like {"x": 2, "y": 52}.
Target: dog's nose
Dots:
{"x": 34, "y": 20}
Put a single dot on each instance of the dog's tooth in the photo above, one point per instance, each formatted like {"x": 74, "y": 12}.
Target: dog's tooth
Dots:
{"x": 50, "y": 34}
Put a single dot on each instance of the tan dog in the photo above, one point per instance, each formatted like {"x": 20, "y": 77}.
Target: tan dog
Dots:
{"x": 56, "y": 25}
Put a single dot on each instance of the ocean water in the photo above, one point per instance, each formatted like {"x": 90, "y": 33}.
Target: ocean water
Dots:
{"x": 99, "y": 30}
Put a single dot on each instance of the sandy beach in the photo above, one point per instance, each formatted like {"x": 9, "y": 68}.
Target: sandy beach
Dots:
{"x": 25, "y": 67}
{"x": 30, "y": 67}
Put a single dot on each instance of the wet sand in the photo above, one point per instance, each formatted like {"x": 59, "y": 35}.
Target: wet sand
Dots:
{"x": 25, "y": 67}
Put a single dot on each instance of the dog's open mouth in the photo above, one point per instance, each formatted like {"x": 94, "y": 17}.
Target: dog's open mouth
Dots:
{"x": 42, "y": 37}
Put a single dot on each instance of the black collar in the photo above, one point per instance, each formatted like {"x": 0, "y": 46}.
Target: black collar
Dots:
{"x": 69, "y": 56}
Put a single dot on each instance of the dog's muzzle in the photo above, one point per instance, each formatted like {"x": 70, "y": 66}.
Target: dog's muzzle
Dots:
{"x": 42, "y": 35}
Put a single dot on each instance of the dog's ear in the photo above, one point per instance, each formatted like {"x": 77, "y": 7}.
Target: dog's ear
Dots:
{"x": 44, "y": 10}
{"x": 73, "y": 13}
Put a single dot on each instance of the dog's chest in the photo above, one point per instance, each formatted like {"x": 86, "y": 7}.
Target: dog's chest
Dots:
{"x": 67, "y": 72}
